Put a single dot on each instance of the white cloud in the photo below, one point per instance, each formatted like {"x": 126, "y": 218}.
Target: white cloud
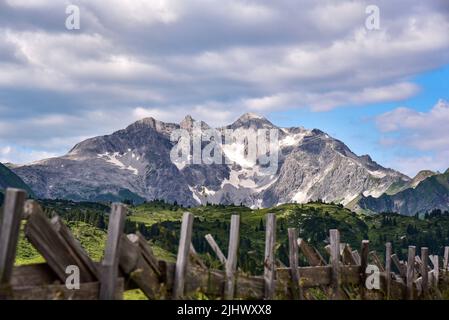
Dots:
{"x": 209, "y": 58}
{"x": 333, "y": 99}
{"x": 421, "y": 130}
{"x": 337, "y": 16}
{"x": 138, "y": 12}
{"x": 412, "y": 165}
{"x": 29, "y": 3}
{"x": 213, "y": 113}
{"x": 22, "y": 156}
{"x": 424, "y": 132}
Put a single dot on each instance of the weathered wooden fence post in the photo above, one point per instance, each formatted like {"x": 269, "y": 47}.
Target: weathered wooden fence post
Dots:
{"x": 388, "y": 250}
{"x": 216, "y": 249}
{"x": 231, "y": 263}
{"x": 436, "y": 269}
{"x": 293, "y": 262}
{"x": 424, "y": 270}
{"x": 446, "y": 259}
{"x": 110, "y": 263}
{"x": 269, "y": 262}
{"x": 9, "y": 232}
{"x": 410, "y": 271}
{"x": 183, "y": 255}
{"x": 364, "y": 251}
{"x": 334, "y": 236}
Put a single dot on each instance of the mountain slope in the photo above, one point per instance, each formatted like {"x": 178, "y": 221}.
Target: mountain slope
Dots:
{"x": 9, "y": 179}
{"x": 429, "y": 194}
{"x": 135, "y": 164}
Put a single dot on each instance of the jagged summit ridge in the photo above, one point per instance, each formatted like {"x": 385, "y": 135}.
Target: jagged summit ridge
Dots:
{"x": 134, "y": 163}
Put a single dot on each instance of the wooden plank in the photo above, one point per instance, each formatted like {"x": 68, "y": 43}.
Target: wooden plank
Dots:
{"x": 346, "y": 255}
{"x": 418, "y": 261}
{"x": 320, "y": 276}
{"x": 212, "y": 282}
{"x": 183, "y": 255}
{"x": 398, "y": 278}
{"x": 364, "y": 250}
{"x": 195, "y": 257}
{"x": 293, "y": 262}
{"x": 110, "y": 263}
{"x": 148, "y": 254}
{"x": 211, "y": 241}
{"x": 334, "y": 236}
{"x": 280, "y": 264}
{"x": 410, "y": 271}
{"x": 356, "y": 257}
{"x": 88, "y": 264}
{"x": 9, "y": 232}
{"x": 33, "y": 275}
{"x": 87, "y": 291}
{"x": 376, "y": 261}
{"x": 388, "y": 250}
{"x": 424, "y": 270}
{"x": 137, "y": 268}
{"x": 398, "y": 265}
{"x": 436, "y": 269}
{"x": 129, "y": 253}
{"x": 417, "y": 265}
{"x": 231, "y": 264}
{"x": 446, "y": 259}
{"x": 311, "y": 254}
{"x": 269, "y": 262}
{"x": 252, "y": 287}
{"x": 419, "y": 286}
{"x": 53, "y": 247}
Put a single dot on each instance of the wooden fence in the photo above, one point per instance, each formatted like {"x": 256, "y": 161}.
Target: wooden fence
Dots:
{"x": 129, "y": 263}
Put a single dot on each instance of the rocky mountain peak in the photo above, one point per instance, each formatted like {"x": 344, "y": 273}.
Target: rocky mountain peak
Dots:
{"x": 149, "y": 122}
{"x": 187, "y": 122}
{"x": 421, "y": 176}
{"x": 253, "y": 121}
{"x": 251, "y": 116}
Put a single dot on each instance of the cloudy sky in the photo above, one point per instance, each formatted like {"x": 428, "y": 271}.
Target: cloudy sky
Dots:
{"x": 300, "y": 63}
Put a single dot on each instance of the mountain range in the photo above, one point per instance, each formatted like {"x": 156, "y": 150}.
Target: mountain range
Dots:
{"x": 134, "y": 164}
{"x": 432, "y": 192}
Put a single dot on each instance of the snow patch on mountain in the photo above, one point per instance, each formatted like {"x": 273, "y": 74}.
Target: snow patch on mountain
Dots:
{"x": 116, "y": 159}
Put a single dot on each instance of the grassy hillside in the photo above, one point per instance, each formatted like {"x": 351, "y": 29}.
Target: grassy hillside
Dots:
{"x": 91, "y": 238}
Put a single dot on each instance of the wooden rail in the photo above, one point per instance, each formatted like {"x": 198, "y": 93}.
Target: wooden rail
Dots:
{"x": 129, "y": 263}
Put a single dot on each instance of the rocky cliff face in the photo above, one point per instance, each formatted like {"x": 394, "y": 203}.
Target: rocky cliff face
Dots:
{"x": 135, "y": 164}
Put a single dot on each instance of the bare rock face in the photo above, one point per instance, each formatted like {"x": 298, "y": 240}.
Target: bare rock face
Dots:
{"x": 134, "y": 164}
